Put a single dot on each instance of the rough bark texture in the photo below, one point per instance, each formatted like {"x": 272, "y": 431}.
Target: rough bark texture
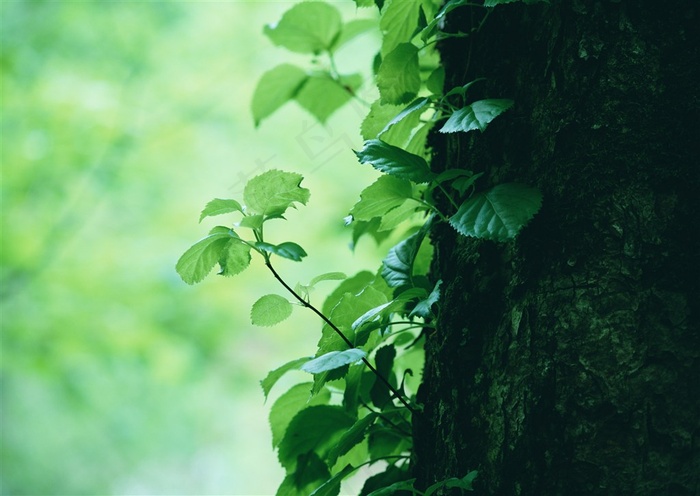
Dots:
{"x": 567, "y": 362}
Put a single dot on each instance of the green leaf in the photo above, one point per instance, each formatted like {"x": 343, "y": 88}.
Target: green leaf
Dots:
{"x": 270, "y": 310}
{"x": 332, "y": 486}
{"x": 476, "y": 116}
{"x": 398, "y": 23}
{"x": 272, "y": 192}
{"x": 353, "y": 29}
{"x": 289, "y": 250}
{"x": 353, "y": 285}
{"x": 411, "y": 110}
{"x": 309, "y": 472}
{"x": 328, "y": 276}
{"x": 218, "y": 206}
{"x": 334, "y": 93}
{"x": 315, "y": 428}
{"x": 289, "y": 404}
{"x": 352, "y": 437}
{"x": 493, "y": 3}
{"x": 273, "y": 376}
{"x": 333, "y": 360}
{"x": 384, "y": 362}
{"x": 465, "y": 483}
{"x": 429, "y": 30}
{"x": 275, "y": 88}
{"x": 361, "y": 227}
{"x": 234, "y": 258}
{"x": 436, "y": 81}
{"x": 462, "y": 90}
{"x": 397, "y": 267}
{"x": 200, "y": 258}
{"x": 376, "y": 120}
{"x": 499, "y": 213}
{"x": 385, "y": 441}
{"x": 308, "y": 27}
{"x": 386, "y": 193}
{"x": 393, "y": 489}
{"x": 381, "y": 481}
{"x": 364, "y": 3}
{"x": 424, "y": 307}
{"x": 395, "y": 161}
{"x": 398, "y": 78}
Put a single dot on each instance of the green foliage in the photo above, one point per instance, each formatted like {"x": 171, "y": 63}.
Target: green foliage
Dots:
{"x": 371, "y": 323}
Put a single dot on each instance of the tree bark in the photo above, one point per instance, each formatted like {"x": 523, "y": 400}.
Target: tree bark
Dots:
{"x": 567, "y": 361}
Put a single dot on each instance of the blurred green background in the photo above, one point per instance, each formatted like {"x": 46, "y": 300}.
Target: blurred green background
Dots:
{"x": 120, "y": 120}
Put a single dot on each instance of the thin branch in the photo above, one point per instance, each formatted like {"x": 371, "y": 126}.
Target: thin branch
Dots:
{"x": 308, "y": 305}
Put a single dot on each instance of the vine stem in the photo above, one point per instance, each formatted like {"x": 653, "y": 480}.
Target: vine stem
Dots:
{"x": 339, "y": 333}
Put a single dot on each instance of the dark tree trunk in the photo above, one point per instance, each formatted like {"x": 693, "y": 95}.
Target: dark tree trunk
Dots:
{"x": 567, "y": 362}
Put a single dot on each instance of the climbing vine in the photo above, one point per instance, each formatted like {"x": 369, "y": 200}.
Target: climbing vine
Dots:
{"x": 373, "y": 324}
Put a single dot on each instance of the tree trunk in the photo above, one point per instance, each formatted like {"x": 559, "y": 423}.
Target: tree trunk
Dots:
{"x": 567, "y": 361}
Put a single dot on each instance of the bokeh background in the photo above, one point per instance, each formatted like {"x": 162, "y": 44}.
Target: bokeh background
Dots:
{"x": 120, "y": 120}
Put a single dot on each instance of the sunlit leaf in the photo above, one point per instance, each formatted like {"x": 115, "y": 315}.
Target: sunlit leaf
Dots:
{"x": 395, "y": 161}
{"x": 270, "y": 310}
{"x": 398, "y": 23}
{"x": 218, "y": 206}
{"x": 328, "y": 276}
{"x": 398, "y": 78}
{"x": 275, "y": 88}
{"x": 308, "y": 27}
{"x": 385, "y": 193}
{"x": 353, "y": 29}
{"x": 272, "y": 192}
{"x": 476, "y": 116}
{"x": 335, "y": 94}
{"x": 200, "y": 258}
{"x": 273, "y": 376}
{"x": 333, "y": 360}
{"x": 234, "y": 258}
{"x": 499, "y": 213}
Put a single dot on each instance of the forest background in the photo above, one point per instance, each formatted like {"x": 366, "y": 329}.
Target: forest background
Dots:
{"x": 120, "y": 120}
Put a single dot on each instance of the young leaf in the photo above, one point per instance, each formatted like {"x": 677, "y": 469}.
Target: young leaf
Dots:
{"x": 270, "y": 310}
{"x": 476, "y": 116}
{"x": 395, "y": 161}
{"x": 234, "y": 258}
{"x": 328, "y": 424}
{"x": 200, "y": 258}
{"x": 332, "y": 486}
{"x": 499, "y": 213}
{"x": 308, "y": 27}
{"x": 218, "y": 206}
{"x": 398, "y": 78}
{"x": 273, "y": 192}
{"x": 352, "y": 437}
{"x": 333, "y": 360}
{"x": 386, "y": 193}
{"x": 335, "y": 94}
{"x": 289, "y": 404}
{"x": 275, "y": 88}
{"x": 289, "y": 250}
{"x": 273, "y": 376}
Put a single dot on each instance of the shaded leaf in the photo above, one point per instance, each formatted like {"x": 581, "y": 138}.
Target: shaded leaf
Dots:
{"x": 397, "y": 266}
{"x": 332, "y": 486}
{"x": 392, "y": 490}
{"x": 308, "y": 473}
{"x": 234, "y": 258}
{"x": 289, "y": 404}
{"x": 499, "y": 213}
{"x": 333, "y": 360}
{"x": 386, "y": 193}
{"x": 382, "y": 481}
{"x": 424, "y": 307}
{"x": 384, "y": 362}
{"x": 329, "y": 423}
{"x": 352, "y": 437}
{"x": 476, "y": 116}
